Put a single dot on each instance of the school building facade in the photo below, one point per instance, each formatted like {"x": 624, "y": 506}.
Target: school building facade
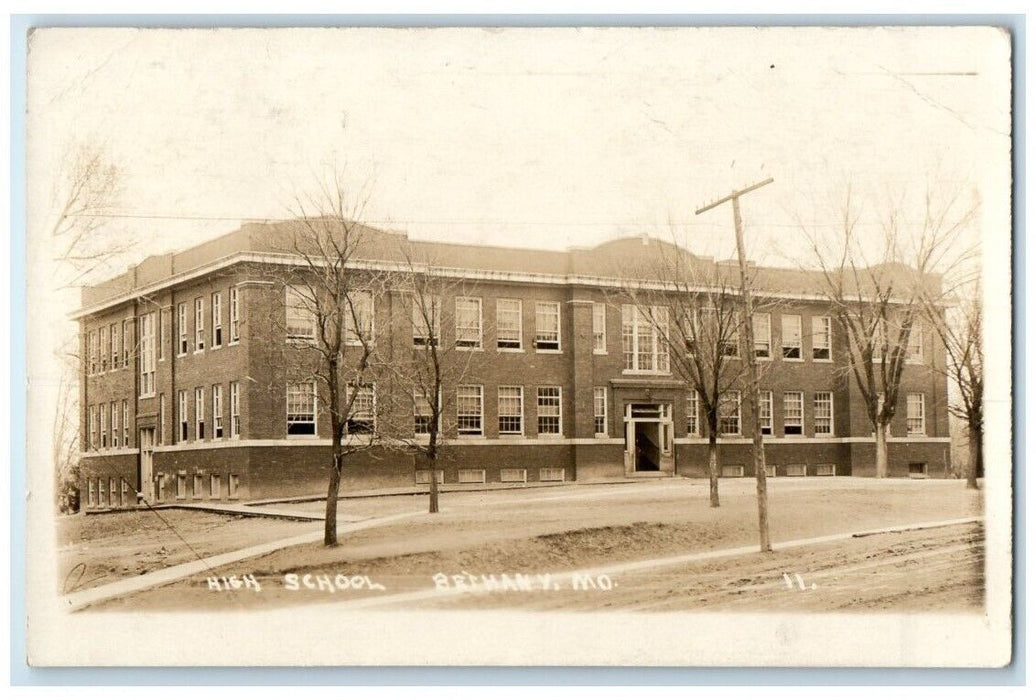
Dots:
{"x": 182, "y": 399}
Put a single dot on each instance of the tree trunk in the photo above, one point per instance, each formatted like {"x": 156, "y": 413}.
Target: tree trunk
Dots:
{"x": 713, "y": 471}
{"x": 331, "y": 508}
{"x": 974, "y": 455}
{"x": 881, "y": 452}
{"x": 433, "y": 489}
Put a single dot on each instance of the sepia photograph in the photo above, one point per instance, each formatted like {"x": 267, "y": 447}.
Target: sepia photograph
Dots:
{"x": 560, "y": 346}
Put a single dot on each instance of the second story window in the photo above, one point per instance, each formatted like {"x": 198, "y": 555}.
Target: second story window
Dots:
{"x": 358, "y": 318}
{"x": 146, "y": 354}
{"x": 115, "y": 345}
{"x": 915, "y": 343}
{"x": 94, "y": 349}
{"x": 235, "y": 315}
{"x": 235, "y": 409}
{"x": 104, "y": 349}
{"x": 181, "y": 328}
{"x": 761, "y": 335}
{"x": 300, "y": 321}
{"x": 468, "y": 315}
{"x": 425, "y": 319}
{"x": 548, "y": 325}
{"x": 509, "y": 324}
{"x": 217, "y": 319}
{"x": 644, "y": 348}
{"x": 791, "y": 337}
{"x": 600, "y": 411}
{"x": 599, "y": 323}
{"x": 821, "y": 338}
{"x": 199, "y": 324}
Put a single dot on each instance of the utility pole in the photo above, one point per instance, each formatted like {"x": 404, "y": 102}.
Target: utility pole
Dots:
{"x": 748, "y": 353}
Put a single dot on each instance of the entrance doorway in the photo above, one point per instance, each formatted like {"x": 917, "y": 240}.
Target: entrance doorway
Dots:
{"x": 145, "y": 480}
{"x": 649, "y": 438}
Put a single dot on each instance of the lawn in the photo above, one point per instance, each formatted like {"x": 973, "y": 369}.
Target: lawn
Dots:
{"x": 538, "y": 530}
{"x": 99, "y": 549}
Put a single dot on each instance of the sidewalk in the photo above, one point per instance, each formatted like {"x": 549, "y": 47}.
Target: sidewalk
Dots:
{"x": 154, "y": 579}
{"x": 457, "y": 488}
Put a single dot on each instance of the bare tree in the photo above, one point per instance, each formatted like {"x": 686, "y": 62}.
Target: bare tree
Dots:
{"x": 959, "y": 331}
{"x": 693, "y": 309}
{"x": 328, "y": 339}
{"x": 877, "y": 286}
{"x": 444, "y": 336}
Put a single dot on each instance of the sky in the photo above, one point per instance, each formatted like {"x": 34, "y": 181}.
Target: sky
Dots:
{"x": 533, "y": 138}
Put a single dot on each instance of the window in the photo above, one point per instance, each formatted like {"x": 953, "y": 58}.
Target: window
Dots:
{"x": 469, "y": 322}
{"x": 160, "y": 334}
{"x": 199, "y": 413}
{"x": 691, "y": 412}
{"x": 104, "y": 349}
{"x": 730, "y": 413}
{"x": 113, "y": 336}
{"x": 644, "y": 349}
{"x": 795, "y": 470}
{"x": 548, "y": 325}
{"x": 766, "y": 412}
{"x": 91, "y": 418}
{"x": 793, "y": 413}
{"x": 214, "y": 485}
{"x": 217, "y": 411}
{"x": 90, "y": 499}
{"x": 730, "y": 341}
{"x": 761, "y": 335}
{"x": 917, "y": 470}
{"x": 104, "y": 426}
{"x": 821, "y": 338}
{"x": 508, "y": 324}
{"x": 915, "y": 343}
{"x": 791, "y": 337}
{"x": 125, "y": 423}
{"x": 600, "y": 411}
{"x": 423, "y": 413}
{"x": 691, "y": 330}
{"x": 509, "y": 409}
{"x": 115, "y": 424}
{"x": 217, "y": 319}
{"x": 469, "y": 410}
{"x": 361, "y": 418}
{"x": 94, "y": 350}
{"x": 233, "y": 481}
{"x": 823, "y": 413}
{"x": 599, "y": 329}
{"x": 915, "y": 414}
{"x": 181, "y": 415}
{"x": 235, "y": 409}
{"x": 548, "y": 410}
{"x": 302, "y": 408}
{"x": 127, "y": 338}
{"x": 732, "y": 470}
{"x": 825, "y": 470}
{"x": 235, "y": 316}
{"x": 199, "y": 482}
{"x": 425, "y": 318}
{"x": 147, "y": 355}
{"x": 181, "y": 328}
{"x": 199, "y": 324}
{"x": 300, "y": 321}
{"x": 181, "y": 486}
{"x": 124, "y": 498}
{"x": 358, "y": 322}
{"x": 161, "y": 419}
